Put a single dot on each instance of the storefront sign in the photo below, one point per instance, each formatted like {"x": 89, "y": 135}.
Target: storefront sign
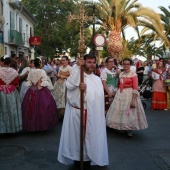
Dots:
{"x": 35, "y": 40}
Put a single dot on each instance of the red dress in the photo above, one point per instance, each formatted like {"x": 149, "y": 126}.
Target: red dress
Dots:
{"x": 159, "y": 98}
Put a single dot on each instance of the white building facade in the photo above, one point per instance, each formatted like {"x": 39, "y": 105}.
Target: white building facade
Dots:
{"x": 16, "y": 27}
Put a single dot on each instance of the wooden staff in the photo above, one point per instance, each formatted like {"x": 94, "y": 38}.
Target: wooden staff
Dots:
{"x": 81, "y": 18}
{"x": 81, "y": 119}
{"x": 81, "y": 49}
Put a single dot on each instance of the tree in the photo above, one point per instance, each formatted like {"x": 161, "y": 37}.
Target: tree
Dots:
{"x": 52, "y": 25}
{"x": 165, "y": 18}
{"x": 151, "y": 31}
{"x": 117, "y": 15}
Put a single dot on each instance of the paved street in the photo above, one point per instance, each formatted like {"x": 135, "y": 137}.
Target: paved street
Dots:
{"x": 147, "y": 150}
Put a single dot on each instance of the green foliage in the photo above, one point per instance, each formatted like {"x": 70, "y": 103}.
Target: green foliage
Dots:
{"x": 165, "y": 18}
{"x": 53, "y": 27}
{"x": 144, "y": 47}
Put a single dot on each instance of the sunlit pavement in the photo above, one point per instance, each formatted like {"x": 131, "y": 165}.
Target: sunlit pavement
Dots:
{"x": 147, "y": 150}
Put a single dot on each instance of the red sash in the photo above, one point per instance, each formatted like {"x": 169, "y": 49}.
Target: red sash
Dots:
{"x": 85, "y": 118}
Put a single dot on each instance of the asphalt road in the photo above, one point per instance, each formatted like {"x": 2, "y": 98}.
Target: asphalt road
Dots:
{"x": 147, "y": 150}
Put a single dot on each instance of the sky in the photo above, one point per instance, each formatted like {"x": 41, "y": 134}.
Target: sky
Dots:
{"x": 153, "y": 4}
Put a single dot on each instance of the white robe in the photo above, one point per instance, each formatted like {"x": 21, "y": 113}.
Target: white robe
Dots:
{"x": 95, "y": 147}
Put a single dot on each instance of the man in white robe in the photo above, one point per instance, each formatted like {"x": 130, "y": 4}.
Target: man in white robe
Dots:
{"x": 95, "y": 144}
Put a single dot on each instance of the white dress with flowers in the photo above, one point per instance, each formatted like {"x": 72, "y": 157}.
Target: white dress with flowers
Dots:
{"x": 59, "y": 90}
{"x": 120, "y": 116}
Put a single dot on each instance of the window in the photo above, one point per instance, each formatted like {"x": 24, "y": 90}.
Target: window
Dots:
{"x": 26, "y": 29}
{"x": 23, "y": 37}
{"x": 20, "y": 25}
{"x": 21, "y": 55}
{"x": 12, "y": 52}
{"x": 27, "y": 36}
{"x": 1, "y": 37}
{"x": 12, "y": 21}
{"x": 1, "y": 7}
{"x": 31, "y": 33}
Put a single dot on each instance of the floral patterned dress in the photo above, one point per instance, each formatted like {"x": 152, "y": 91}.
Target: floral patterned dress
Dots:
{"x": 59, "y": 90}
{"x": 10, "y": 106}
{"x": 120, "y": 116}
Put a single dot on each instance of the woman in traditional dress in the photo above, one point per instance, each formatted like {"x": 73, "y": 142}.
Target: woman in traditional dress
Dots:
{"x": 53, "y": 65}
{"x": 60, "y": 85}
{"x": 167, "y": 81}
{"x": 126, "y": 111}
{"x": 10, "y": 106}
{"x": 159, "y": 100}
{"x": 38, "y": 106}
{"x": 23, "y": 78}
{"x": 109, "y": 80}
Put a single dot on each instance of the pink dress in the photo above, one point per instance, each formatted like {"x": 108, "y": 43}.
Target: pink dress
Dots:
{"x": 120, "y": 116}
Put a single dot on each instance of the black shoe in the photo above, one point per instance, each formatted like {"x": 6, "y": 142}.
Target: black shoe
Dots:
{"x": 86, "y": 165}
{"x": 129, "y": 133}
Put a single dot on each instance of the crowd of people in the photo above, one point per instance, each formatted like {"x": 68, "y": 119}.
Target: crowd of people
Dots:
{"x": 153, "y": 73}
{"x": 35, "y": 94}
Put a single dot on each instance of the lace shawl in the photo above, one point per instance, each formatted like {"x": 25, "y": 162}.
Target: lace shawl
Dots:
{"x": 8, "y": 74}
{"x": 35, "y": 75}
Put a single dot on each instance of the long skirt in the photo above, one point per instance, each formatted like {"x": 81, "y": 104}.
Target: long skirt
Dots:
{"x": 108, "y": 100}
{"x": 159, "y": 100}
{"x": 10, "y": 112}
{"x": 39, "y": 110}
{"x": 121, "y": 117}
{"x": 59, "y": 93}
{"x": 23, "y": 90}
{"x": 168, "y": 97}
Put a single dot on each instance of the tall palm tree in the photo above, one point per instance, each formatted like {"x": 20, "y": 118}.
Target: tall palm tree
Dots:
{"x": 117, "y": 15}
{"x": 154, "y": 34}
{"x": 165, "y": 18}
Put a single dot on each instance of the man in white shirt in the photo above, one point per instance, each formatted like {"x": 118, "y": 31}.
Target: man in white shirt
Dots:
{"x": 146, "y": 71}
{"x": 133, "y": 68}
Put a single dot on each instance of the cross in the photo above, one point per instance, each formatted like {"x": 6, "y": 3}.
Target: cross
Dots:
{"x": 81, "y": 19}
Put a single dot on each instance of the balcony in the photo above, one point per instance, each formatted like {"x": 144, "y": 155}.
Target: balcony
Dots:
{"x": 15, "y": 38}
